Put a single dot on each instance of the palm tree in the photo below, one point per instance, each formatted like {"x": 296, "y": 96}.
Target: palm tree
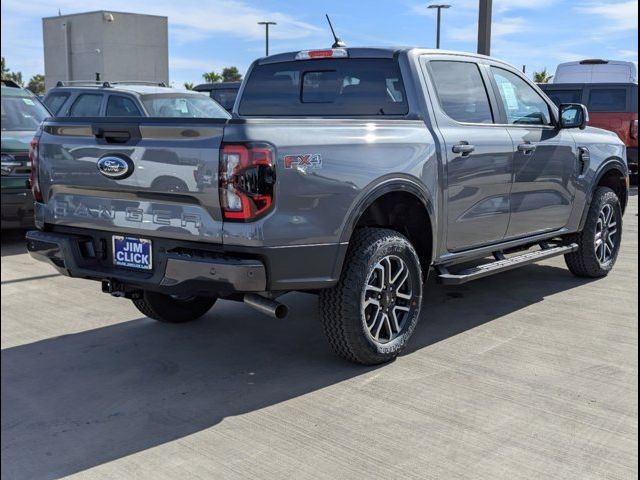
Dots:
{"x": 188, "y": 85}
{"x": 211, "y": 77}
{"x": 542, "y": 77}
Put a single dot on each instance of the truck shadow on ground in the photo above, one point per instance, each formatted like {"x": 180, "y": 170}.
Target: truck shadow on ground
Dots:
{"x": 77, "y": 401}
{"x": 13, "y": 242}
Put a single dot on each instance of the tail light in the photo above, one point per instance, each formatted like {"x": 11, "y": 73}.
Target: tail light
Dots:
{"x": 33, "y": 179}
{"x": 634, "y": 128}
{"x": 247, "y": 178}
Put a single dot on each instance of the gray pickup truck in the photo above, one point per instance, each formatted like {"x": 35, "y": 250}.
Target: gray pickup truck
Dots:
{"x": 350, "y": 173}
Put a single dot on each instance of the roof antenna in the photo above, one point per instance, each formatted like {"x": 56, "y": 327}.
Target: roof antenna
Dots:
{"x": 338, "y": 43}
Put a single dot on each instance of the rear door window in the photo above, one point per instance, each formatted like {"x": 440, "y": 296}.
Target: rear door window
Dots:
{"x": 55, "y": 100}
{"x": 86, "y": 105}
{"x": 119, "y": 106}
{"x": 461, "y": 91}
{"x": 331, "y": 87}
{"x": 608, "y": 99}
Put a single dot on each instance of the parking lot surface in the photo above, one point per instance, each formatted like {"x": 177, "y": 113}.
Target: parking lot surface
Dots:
{"x": 528, "y": 374}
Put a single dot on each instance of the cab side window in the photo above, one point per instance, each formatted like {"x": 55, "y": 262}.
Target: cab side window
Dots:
{"x": 461, "y": 91}
{"x": 55, "y": 100}
{"x": 607, "y": 99}
{"x": 522, "y": 104}
{"x": 86, "y": 105}
{"x": 118, "y": 106}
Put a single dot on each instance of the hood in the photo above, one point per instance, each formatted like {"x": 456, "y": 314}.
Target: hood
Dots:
{"x": 17, "y": 141}
{"x": 601, "y": 131}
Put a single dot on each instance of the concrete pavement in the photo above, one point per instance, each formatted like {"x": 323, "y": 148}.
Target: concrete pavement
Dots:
{"x": 529, "y": 374}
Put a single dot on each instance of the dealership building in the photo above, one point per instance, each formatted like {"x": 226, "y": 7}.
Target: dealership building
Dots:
{"x": 111, "y": 46}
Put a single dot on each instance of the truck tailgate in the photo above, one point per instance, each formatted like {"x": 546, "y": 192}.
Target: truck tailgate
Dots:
{"x": 148, "y": 176}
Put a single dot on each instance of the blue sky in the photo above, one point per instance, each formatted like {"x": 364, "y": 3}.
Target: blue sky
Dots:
{"x": 207, "y": 35}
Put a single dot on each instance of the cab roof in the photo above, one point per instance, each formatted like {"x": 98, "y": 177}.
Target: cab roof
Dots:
{"x": 123, "y": 87}
{"x": 373, "y": 52}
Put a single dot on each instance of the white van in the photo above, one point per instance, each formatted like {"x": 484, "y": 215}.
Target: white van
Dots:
{"x": 597, "y": 71}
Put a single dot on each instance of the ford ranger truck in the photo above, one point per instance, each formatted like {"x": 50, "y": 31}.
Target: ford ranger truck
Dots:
{"x": 347, "y": 172}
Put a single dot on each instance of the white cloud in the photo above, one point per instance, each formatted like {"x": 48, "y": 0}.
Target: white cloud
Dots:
{"x": 191, "y": 19}
{"x": 190, "y": 22}
{"x": 628, "y": 54}
{"x": 507, "y": 5}
{"x": 192, "y": 64}
{"x": 499, "y": 6}
{"x": 506, "y": 26}
{"x": 616, "y": 16}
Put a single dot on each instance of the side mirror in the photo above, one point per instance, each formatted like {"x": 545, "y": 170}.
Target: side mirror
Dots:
{"x": 573, "y": 115}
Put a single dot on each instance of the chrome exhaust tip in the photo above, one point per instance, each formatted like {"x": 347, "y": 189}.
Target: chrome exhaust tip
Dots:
{"x": 265, "y": 305}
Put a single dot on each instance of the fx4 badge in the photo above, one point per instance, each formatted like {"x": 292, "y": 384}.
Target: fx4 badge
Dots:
{"x": 306, "y": 161}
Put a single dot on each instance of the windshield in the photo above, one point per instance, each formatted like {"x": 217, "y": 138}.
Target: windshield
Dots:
{"x": 20, "y": 112}
{"x": 190, "y": 105}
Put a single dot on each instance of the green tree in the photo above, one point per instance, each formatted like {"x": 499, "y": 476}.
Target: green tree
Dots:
{"x": 188, "y": 85}
{"x": 5, "y": 70}
{"x": 211, "y": 77}
{"x": 9, "y": 75}
{"x": 16, "y": 77}
{"x": 542, "y": 77}
{"x": 36, "y": 84}
{"x": 231, "y": 74}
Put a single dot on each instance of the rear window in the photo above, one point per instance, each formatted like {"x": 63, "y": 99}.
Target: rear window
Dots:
{"x": 564, "y": 96}
{"x": 21, "y": 112}
{"x": 225, "y": 96}
{"x": 608, "y": 100}
{"x": 331, "y": 87}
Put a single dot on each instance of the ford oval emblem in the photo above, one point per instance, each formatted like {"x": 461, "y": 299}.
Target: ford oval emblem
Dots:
{"x": 115, "y": 167}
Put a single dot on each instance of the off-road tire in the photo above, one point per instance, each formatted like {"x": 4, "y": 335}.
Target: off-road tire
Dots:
{"x": 340, "y": 306}
{"x": 169, "y": 309}
{"x": 584, "y": 262}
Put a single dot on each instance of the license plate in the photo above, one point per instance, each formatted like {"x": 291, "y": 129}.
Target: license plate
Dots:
{"x": 132, "y": 252}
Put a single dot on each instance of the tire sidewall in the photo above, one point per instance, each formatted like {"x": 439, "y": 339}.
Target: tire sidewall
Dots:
{"x": 604, "y": 197}
{"x": 401, "y": 248}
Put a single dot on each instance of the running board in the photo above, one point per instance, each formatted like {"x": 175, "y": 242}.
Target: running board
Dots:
{"x": 502, "y": 264}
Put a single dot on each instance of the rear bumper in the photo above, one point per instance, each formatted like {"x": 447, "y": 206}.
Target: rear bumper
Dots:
{"x": 174, "y": 273}
{"x": 190, "y": 267}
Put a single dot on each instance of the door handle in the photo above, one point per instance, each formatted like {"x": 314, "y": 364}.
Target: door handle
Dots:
{"x": 463, "y": 147}
{"x": 526, "y": 148}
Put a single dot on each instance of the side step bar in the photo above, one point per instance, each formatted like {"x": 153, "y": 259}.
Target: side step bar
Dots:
{"x": 502, "y": 264}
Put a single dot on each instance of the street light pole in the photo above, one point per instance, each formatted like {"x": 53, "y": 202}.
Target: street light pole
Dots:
{"x": 439, "y": 7}
{"x": 266, "y": 32}
{"x": 484, "y": 27}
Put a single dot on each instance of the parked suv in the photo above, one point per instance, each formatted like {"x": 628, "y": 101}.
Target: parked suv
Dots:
{"x": 224, "y": 93}
{"x": 22, "y": 113}
{"x": 612, "y": 106}
{"x": 113, "y": 99}
{"x": 348, "y": 172}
